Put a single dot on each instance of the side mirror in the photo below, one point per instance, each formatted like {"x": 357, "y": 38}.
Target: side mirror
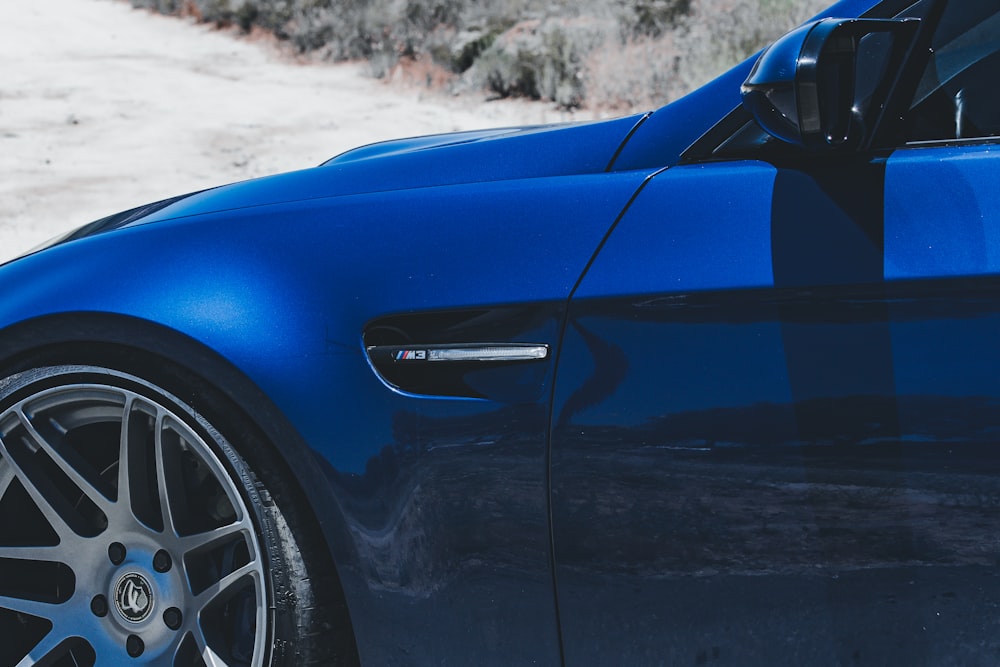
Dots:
{"x": 825, "y": 84}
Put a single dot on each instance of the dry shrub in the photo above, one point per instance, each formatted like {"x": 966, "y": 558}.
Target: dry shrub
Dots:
{"x": 605, "y": 54}
{"x": 540, "y": 59}
{"x": 639, "y": 74}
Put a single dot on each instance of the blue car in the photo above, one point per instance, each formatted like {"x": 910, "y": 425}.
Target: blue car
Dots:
{"x": 716, "y": 385}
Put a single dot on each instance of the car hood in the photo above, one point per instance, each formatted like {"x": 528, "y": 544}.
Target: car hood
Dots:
{"x": 402, "y": 164}
{"x": 419, "y": 162}
{"x": 448, "y": 159}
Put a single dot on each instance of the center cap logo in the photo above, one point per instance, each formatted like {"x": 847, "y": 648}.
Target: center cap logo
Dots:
{"x": 134, "y": 598}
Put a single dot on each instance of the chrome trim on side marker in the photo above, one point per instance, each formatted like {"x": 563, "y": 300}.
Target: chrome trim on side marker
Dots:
{"x": 463, "y": 353}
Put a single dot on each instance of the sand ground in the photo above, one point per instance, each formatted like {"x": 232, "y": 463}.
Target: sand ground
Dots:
{"x": 104, "y": 107}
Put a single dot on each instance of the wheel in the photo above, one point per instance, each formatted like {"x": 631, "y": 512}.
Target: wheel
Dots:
{"x": 132, "y": 532}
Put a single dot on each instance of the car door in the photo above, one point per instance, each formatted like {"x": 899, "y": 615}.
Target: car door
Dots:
{"x": 775, "y": 428}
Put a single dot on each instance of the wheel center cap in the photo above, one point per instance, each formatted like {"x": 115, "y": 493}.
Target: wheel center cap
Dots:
{"x": 134, "y": 597}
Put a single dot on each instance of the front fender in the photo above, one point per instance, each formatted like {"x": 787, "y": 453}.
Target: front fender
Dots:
{"x": 283, "y": 292}
{"x": 281, "y": 295}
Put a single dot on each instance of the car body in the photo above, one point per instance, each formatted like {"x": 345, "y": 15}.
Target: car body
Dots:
{"x": 656, "y": 390}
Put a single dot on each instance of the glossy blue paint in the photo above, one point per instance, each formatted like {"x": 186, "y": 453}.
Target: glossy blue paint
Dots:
{"x": 284, "y": 294}
{"x": 660, "y": 140}
{"x": 487, "y": 157}
{"x": 706, "y": 502}
{"x": 692, "y": 228}
{"x": 762, "y": 476}
{"x": 942, "y": 212}
{"x": 767, "y": 425}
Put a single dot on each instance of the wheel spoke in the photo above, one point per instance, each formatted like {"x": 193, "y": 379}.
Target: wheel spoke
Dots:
{"x": 217, "y": 536}
{"x": 166, "y": 475}
{"x": 124, "y": 456}
{"x": 51, "y": 554}
{"x": 31, "y": 607}
{"x": 71, "y": 472}
{"x": 230, "y": 581}
{"x": 137, "y": 490}
{"x": 6, "y": 471}
{"x": 212, "y": 658}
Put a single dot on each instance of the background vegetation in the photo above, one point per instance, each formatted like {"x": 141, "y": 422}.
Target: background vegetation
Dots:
{"x": 601, "y": 54}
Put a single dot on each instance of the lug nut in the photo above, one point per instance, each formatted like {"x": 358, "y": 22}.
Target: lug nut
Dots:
{"x": 99, "y": 605}
{"x": 161, "y": 561}
{"x": 134, "y": 646}
{"x": 116, "y": 552}
{"x": 173, "y": 618}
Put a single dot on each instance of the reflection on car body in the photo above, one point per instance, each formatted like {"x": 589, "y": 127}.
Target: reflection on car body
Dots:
{"x": 716, "y": 384}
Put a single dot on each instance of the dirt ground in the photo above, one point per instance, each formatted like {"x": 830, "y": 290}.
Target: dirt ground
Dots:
{"x": 104, "y": 107}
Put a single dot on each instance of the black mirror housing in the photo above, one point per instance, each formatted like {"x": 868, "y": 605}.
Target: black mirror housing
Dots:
{"x": 825, "y": 84}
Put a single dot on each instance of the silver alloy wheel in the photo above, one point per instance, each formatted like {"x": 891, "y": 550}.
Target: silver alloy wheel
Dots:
{"x": 124, "y": 537}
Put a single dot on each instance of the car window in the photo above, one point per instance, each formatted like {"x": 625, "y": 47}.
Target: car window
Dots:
{"x": 958, "y": 96}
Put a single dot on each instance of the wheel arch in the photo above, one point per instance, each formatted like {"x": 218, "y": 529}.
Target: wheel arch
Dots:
{"x": 214, "y": 388}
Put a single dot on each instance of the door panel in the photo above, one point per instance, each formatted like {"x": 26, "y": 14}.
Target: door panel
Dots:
{"x": 762, "y": 451}
{"x": 700, "y": 227}
{"x": 943, "y": 212}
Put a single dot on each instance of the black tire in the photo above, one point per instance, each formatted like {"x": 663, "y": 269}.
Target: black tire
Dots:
{"x": 133, "y": 532}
